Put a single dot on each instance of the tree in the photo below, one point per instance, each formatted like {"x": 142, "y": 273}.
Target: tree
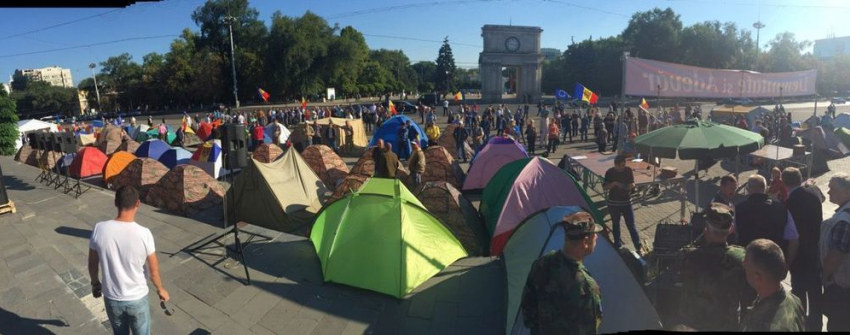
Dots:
{"x": 654, "y": 34}
{"x": 715, "y": 45}
{"x": 785, "y": 54}
{"x": 395, "y": 62}
{"x": 347, "y": 54}
{"x": 298, "y": 47}
{"x": 426, "y": 72}
{"x": 445, "y": 72}
{"x": 8, "y": 124}
{"x": 121, "y": 77}
{"x": 40, "y": 99}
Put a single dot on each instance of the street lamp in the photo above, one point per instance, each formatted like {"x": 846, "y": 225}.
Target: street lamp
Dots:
{"x": 447, "y": 82}
{"x": 758, "y": 25}
{"x": 96, "y": 90}
{"x": 229, "y": 20}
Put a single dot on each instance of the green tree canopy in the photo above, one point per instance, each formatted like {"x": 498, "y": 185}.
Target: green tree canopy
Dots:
{"x": 445, "y": 72}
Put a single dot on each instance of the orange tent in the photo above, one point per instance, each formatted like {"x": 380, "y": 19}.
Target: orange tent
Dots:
{"x": 116, "y": 163}
{"x": 88, "y": 162}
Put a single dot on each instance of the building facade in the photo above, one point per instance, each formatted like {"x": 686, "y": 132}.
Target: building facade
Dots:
{"x": 829, "y": 47}
{"x": 510, "y": 46}
{"x": 53, "y": 75}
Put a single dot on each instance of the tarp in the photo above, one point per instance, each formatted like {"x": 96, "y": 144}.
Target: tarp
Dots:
{"x": 825, "y": 141}
{"x": 208, "y": 157}
{"x": 625, "y": 305}
{"x": 522, "y": 188}
{"x": 330, "y": 168}
{"x": 152, "y": 149}
{"x": 110, "y": 139}
{"x": 389, "y": 132}
{"x": 88, "y": 162}
{"x": 447, "y": 141}
{"x": 348, "y": 185}
{"x": 498, "y": 152}
{"x": 185, "y": 190}
{"x": 440, "y": 166}
{"x": 841, "y": 121}
{"x": 284, "y": 133}
{"x": 360, "y": 139}
{"x": 446, "y": 203}
{"x": 728, "y": 113}
{"x": 175, "y": 156}
{"x": 31, "y": 125}
{"x": 382, "y": 239}
{"x": 116, "y": 163}
{"x": 267, "y": 152}
{"x": 142, "y": 173}
{"x": 283, "y": 195}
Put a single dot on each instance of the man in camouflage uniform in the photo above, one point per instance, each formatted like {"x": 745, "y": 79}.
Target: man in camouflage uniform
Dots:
{"x": 713, "y": 276}
{"x": 560, "y": 296}
{"x": 775, "y": 309}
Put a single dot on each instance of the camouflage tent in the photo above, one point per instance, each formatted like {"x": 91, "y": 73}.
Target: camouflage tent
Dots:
{"x": 110, "y": 139}
{"x": 185, "y": 190}
{"x": 351, "y": 183}
{"x": 447, "y": 140}
{"x": 365, "y": 166}
{"x": 191, "y": 139}
{"x": 141, "y": 173}
{"x": 50, "y": 158}
{"x": 129, "y": 146}
{"x": 267, "y": 152}
{"x": 28, "y": 155}
{"x": 446, "y": 203}
{"x": 326, "y": 164}
{"x": 440, "y": 166}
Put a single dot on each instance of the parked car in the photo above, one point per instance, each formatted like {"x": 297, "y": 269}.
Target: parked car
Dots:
{"x": 431, "y": 99}
{"x": 839, "y": 100}
{"x": 402, "y": 107}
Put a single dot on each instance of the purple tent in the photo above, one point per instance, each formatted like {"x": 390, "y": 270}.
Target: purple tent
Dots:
{"x": 496, "y": 153}
{"x": 152, "y": 149}
{"x": 498, "y": 140}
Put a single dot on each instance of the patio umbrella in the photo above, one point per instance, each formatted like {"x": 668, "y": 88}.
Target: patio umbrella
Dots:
{"x": 697, "y": 139}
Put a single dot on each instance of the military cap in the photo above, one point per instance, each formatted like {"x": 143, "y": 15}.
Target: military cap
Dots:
{"x": 578, "y": 225}
{"x": 719, "y": 216}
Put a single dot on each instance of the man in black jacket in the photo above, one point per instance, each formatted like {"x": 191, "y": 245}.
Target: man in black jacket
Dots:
{"x": 804, "y": 204}
{"x": 760, "y": 216}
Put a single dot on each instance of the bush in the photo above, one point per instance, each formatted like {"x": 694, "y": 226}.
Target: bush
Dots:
{"x": 8, "y": 124}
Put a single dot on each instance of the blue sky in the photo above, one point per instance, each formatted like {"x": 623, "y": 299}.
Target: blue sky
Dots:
{"x": 461, "y": 20}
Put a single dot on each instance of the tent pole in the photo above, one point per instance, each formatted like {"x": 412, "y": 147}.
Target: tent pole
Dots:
{"x": 696, "y": 185}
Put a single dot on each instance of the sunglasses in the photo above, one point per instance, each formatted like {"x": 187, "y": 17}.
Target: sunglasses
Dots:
{"x": 168, "y": 311}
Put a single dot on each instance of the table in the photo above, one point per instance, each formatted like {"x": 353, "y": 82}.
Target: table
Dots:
{"x": 591, "y": 168}
{"x": 782, "y": 157}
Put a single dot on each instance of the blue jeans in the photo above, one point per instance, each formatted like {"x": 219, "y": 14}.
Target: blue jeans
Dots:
{"x": 461, "y": 152}
{"x": 628, "y": 213}
{"x": 126, "y": 316}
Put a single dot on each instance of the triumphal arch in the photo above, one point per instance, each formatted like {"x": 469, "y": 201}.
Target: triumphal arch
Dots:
{"x": 507, "y": 47}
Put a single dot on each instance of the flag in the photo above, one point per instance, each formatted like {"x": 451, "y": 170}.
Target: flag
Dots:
{"x": 263, "y": 94}
{"x": 560, "y": 94}
{"x": 586, "y": 94}
{"x": 183, "y": 123}
{"x": 303, "y": 103}
{"x": 458, "y": 96}
{"x": 644, "y": 104}
{"x": 392, "y": 108}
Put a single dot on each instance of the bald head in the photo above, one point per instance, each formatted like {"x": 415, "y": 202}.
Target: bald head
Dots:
{"x": 756, "y": 184}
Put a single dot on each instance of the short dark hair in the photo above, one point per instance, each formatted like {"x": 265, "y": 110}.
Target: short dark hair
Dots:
{"x": 126, "y": 197}
{"x": 791, "y": 176}
{"x": 620, "y": 159}
{"x": 725, "y": 180}
{"x": 767, "y": 257}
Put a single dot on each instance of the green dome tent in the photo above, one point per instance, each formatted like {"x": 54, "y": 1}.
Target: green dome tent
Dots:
{"x": 381, "y": 238}
{"x": 625, "y": 305}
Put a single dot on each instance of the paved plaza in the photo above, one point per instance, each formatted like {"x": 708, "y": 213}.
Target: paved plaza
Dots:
{"x": 44, "y": 284}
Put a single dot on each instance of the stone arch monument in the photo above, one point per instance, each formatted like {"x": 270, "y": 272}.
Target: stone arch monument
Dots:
{"x": 511, "y": 46}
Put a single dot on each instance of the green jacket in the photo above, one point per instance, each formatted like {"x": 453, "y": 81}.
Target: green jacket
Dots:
{"x": 780, "y": 312}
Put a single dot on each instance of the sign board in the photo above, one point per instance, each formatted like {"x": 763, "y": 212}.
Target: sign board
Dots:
{"x": 331, "y": 93}
{"x": 649, "y": 78}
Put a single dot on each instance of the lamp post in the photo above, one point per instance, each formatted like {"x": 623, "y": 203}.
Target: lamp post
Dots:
{"x": 96, "y": 90}
{"x": 229, "y": 20}
{"x": 758, "y": 25}
{"x": 447, "y": 82}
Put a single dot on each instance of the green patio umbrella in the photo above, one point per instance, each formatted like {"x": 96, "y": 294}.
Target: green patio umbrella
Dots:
{"x": 697, "y": 139}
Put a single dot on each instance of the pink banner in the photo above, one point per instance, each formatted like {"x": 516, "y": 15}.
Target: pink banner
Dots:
{"x": 649, "y": 78}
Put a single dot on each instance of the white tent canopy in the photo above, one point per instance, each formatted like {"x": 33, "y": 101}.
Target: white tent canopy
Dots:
{"x": 31, "y": 125}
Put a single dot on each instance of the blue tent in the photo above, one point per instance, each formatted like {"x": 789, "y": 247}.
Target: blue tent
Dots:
{"x": 152, "y": 149}
{"x": 175, "y": 156}
{"x": 389, "y": 130}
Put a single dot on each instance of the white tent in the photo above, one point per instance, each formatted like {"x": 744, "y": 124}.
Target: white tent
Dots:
{"x": 284, "y": 132}
{"x": 31, "y": 125}
{"x": 542, "y": 233}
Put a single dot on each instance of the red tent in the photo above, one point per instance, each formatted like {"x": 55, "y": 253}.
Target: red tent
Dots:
{"x": 88, "y": 162}
{"x": 204, "y": 130}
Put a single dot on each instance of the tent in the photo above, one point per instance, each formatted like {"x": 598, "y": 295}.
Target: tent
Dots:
{"x": 283, "y": 195}
{"x": 208, "y": 157}
{"x": 365, "y": 166}
{"x": 728, "y": 113}
{"x": 360, "y": 139}
{"x": 440, "y": 166}
{"x": 191, "y": 140}
{"x": 446, "y": 203}
{"x": 88, "y": 162}
{"x": 542, "y": 233}
{"x": 326, "y": 163}
{"x": 841, "y": 121}
{"x": 498, "y": 152}
{"x": 175, "y": 156}
{"x": 129, "y": 146}
{"x": 522, "y": 188}
{"x": 843, "y": 134}
{"x": 825, "y": 141}
{"x": 116, "y": 163}
{"x": 110, "y": 139}
{"x": 447, "y": 141}
{"x": 152, "y": 149}
{"x": 185, "y": 190}
{"x": 140, "y": 131}
{"x": 170, "y": 134}
{"x": 64, "y": 162}
{"x": 348, "y": 185}
{"x": 27, "y": 155}
{"x": 499, "y": 140}
{"x": 86, "y": 139}
{"x": 142, "y": 173}
{"x": 381, "y": 238}
{"x": 204, "y": 130}
{"x": 32, "y": 125}
{"x": 389, "y": 131}
{"x": 269, "y": 132}
{"x": 267, "y": 152}
{"x": 50, "y": 158}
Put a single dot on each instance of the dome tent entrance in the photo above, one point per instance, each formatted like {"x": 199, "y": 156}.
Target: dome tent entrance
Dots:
{"x": 542, "y": 233}
{"x": 381, "y": 238}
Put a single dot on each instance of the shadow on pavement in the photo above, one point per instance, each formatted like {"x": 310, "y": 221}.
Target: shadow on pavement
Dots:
{"x": 15, "y": 183}
{"x": 76, "y": 232}
{"x": 11, "y": 323}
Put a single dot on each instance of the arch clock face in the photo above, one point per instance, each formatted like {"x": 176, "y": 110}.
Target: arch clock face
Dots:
{"x": 512, "y": 44}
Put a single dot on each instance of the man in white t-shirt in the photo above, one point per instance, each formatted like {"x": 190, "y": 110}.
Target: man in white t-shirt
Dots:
{"x": 125, "y": 250}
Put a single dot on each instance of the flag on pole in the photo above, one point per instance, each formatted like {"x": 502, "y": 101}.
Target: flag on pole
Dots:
{"x": 392, "y": 108}
{"x": 263, "y": 94}
{"x": 586, "y": 94}
{"x": 303, "y": 103}
{"x": 183, "y": 123}
{"x": 560, "y": 94}
{"x": 458, "y": 96}
{"x": 644, "y": 104}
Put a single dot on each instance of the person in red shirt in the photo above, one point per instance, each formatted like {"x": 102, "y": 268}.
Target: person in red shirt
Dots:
{"x": 257, "y": 134}
{"x": 777, "y": 188}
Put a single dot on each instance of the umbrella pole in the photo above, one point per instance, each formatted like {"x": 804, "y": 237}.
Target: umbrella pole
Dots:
{"x": 696, "y": 185}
